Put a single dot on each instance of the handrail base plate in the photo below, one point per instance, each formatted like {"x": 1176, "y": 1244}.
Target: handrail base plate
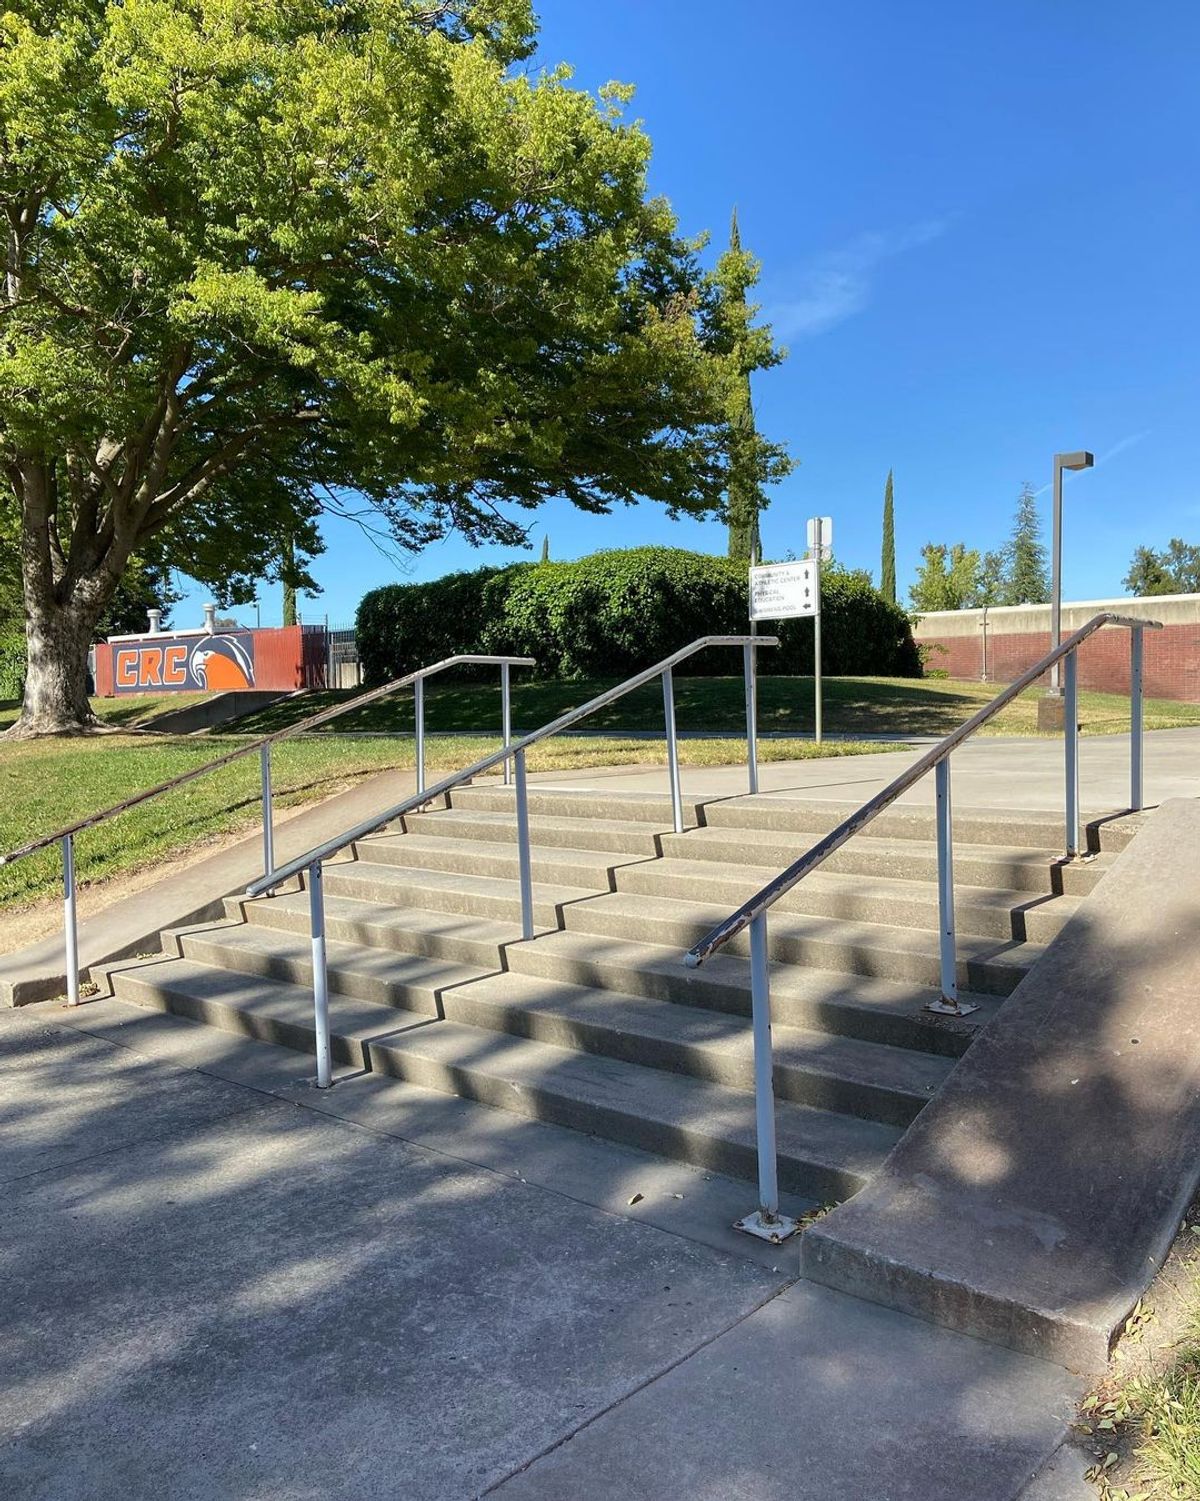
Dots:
{"x": 950, "y": 1008}
{"x": 776, "y": 1230}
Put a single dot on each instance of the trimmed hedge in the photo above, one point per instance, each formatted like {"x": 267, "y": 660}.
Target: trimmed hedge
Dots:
{"x": 613, "y": 613}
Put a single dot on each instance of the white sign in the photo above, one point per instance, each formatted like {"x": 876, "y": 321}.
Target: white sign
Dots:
{"x": 820, "y": 537}
{"x": 780, "y": 591}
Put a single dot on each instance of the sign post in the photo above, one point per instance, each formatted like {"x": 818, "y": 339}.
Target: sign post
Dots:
{"x": 820, "y": 549}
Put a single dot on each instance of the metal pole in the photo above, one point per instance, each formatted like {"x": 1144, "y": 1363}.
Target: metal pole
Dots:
{"x": 523, "y": 859}
{"x": 766, "y": 1222}
{"x": 419, "y": 713}
{"x": 751, "y": 717}
{"x": 506, "y": 716}
{"x": 817, "y": 642}
{"x": 1135, "y": 718}
{"x": 1056, "y": 575}
{"x": 1071, "y": 743}
{"x": 316, "y": 909}
{"x": 70, "y": 931}
{"x": 948, "y": 1004}
{"x": 668, "y": 682}
{"x": 267, "y": 811}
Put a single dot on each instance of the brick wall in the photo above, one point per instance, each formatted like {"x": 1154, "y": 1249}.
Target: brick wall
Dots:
{"x": 1014, "y": 638}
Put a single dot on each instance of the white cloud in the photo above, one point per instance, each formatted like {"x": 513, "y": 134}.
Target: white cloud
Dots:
{"x": 838, "y": 284}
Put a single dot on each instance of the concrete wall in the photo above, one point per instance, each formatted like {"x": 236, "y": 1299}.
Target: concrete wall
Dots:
{"x": 998, "y": 644}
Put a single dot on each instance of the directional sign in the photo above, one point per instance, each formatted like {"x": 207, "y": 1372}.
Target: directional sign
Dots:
{"x": 820, "y": 537}
{"x": 781, "y": 591}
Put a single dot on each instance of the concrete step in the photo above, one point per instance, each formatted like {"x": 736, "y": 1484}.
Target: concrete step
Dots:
{"x": 877, "y": 899}
{"x": 591, "y": 869}
{"x": 437, "y": 935}
{"x": 812, "y": 1068}
{"x": 816, "y": 816}
{"x": 450, "y": 891}
{"x": 894, "y": 953}
{"x": 1011, "y": 867}
{"x": 411, "y": 982}
{"x": 821, "y": 1153}
{"x": 1035, "y": 829}
{"x": 625, "y": 836}
{"x": 841, "y": 1004}
{"x": 638, "y": 807}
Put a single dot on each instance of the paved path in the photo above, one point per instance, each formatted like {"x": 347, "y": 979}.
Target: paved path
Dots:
{"x": 987, "y": 773}
{"x": 220, "y": 1284}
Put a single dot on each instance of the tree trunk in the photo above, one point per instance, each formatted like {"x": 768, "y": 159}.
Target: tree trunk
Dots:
{"x": 56, "y": 700}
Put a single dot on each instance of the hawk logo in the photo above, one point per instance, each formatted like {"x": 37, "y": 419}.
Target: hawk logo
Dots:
{"x": 221, "y": 662}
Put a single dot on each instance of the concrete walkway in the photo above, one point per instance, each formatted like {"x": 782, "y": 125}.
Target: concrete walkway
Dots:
{"x": 1025, "y": 774}
{"x": 220, "y": 1284}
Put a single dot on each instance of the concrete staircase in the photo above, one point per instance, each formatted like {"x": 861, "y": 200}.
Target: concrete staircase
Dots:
{"x": 595, "y": 1023}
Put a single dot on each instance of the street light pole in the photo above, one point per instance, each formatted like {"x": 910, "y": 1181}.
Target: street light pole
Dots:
{"x": 1079, "y": 460}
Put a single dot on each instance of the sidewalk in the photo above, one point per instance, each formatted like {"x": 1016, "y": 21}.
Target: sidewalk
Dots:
{"x": 220, "y": 1284}
{"x": 999, "y": 772}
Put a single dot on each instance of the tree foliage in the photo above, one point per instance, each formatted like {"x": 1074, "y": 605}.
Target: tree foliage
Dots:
{"x": 752, "y": 349}
{"x": 947, "y": 578}
{"x": 259, "y": 257}
{"x": 1025, "y": 577}
{"x": 1174, "y": 570}
{"x": 887, "y": 566}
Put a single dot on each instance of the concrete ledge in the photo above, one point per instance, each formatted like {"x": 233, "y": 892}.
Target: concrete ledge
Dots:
{"x": 218, "y": 708}
{"x": 1033, "y": 1201}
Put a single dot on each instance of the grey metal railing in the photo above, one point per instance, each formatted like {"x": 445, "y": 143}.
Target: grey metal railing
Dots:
{"x": 65, "y": 838}
{"x": 311, "y": 863}
{"x": 767, "y": 1221}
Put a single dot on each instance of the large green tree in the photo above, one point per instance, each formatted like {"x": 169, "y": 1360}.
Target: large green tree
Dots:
{"x": 262, "y": 259}
{"x": 887, "y": 565}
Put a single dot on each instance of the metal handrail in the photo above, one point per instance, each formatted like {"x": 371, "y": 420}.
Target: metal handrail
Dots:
{"x": 766, "y": 1221}
{"x": 302, "y": 725}
{"x": 65, "y": 837}
{"x": 515, "y": 749}
{"x": 312, "y": 863}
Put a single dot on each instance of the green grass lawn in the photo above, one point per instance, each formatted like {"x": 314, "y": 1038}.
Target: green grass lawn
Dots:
{"x": 45, "y": 784}
{"x": 853, "y": 706}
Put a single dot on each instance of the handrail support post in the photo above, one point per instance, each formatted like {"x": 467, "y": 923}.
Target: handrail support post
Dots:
{"x": 765, "y": 1222}
{"x": 316, "y": 911}
{"x": 668, "y": 687}
{"x": 1071, "y": 748}
{"x": 70, "y": 924}
{"x": 1136, "y": 717}
{"x": 524, "y": 862}
{"x": 750, "y": 668}
{"x": 268, "y": 812}
{"x": 506, "y": 717}
{"x": 949, "y": 1003}
{"x": 419, "y": 723}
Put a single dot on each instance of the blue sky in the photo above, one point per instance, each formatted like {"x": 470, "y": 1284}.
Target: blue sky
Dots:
{"x": 980, "y": 234}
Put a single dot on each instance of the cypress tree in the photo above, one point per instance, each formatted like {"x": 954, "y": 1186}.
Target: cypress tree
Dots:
{"x": 887, "y": 569}
{"x": 744, "y": 498}
{"x": 546, "y": 548}
{"x": 288, "y": 575}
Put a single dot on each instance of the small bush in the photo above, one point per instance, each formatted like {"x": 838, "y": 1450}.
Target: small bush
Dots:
{"x": 613, "y": 613}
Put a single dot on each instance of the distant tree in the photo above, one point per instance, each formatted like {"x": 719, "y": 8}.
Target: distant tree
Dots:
{"x": 1175, "y": 570}
{"x": 546, "y": 548}
{"x": 1026, "y": 581}
{"x": 287, "y": 573}
{"x": 887, "y": 567}
{"x": 991, "y": 585}
{"x": 947, "y": 578}
{"x": 752, "y": 349}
